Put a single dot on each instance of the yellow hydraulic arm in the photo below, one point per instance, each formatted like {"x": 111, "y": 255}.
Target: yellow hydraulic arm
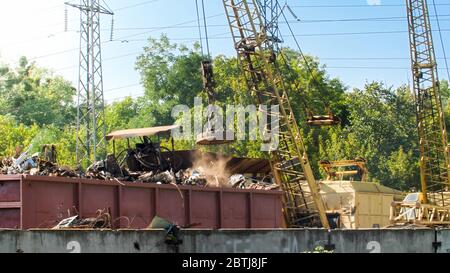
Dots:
{"x": 303, "y": 204}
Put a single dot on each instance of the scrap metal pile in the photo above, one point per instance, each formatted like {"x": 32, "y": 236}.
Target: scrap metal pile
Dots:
{"x": 109, "y": 169}
{"x": 34, "y": 164}
{"x": 102, "y": 219}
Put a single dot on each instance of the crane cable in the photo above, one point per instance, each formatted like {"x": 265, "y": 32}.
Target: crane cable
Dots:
{"x": 442, "y": 40}
{"x": 205, "y": 29}
{"x": 199, "y": 28}
{"x": 307, "y": 65}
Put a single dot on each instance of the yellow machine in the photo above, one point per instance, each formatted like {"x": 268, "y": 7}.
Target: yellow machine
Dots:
{"x": 432, "y": 206}
{"x": 335, "y": 171}
{"x": 359, "y": 204}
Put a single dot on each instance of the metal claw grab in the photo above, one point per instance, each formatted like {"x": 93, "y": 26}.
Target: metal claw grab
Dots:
{"x": 212, "y": 135}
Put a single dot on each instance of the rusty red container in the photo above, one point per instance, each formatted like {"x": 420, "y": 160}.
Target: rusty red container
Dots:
{"x": 40, "y": 202}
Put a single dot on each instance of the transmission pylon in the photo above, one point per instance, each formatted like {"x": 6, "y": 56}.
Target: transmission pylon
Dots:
{"x": 270, "y": 13}
{"x": 91, "y": 128}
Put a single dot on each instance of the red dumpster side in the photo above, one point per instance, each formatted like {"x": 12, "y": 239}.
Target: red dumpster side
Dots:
{"x": 41, "y": 202}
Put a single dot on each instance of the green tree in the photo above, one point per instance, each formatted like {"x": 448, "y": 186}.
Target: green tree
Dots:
{"x": 382, "y": 129}
{"x": 33, "y": 95}
{"x": 14, "y": 135}
{"x": 170, "y": 74}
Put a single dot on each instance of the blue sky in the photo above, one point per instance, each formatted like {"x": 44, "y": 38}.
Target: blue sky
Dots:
{"x": 372, "y": 45}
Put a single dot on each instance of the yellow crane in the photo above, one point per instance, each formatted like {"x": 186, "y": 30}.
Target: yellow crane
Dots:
{"x": 303, "y": 205}
{"x": 432, "y": 205}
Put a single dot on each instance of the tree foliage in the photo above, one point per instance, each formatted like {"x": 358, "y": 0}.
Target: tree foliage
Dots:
{"x": 32, "y": 95}
{"x": 378, "y": 122}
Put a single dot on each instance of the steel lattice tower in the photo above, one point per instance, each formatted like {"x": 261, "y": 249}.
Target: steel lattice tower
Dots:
{"x": 434, "y": 160}
{"x": 270, "y": 13}
{"x": 302, "y": 203}
{"x": 91, "y": 128}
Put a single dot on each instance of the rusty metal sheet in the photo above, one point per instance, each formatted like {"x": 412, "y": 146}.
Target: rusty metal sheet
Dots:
{"x": 44, "y": 201}
{"x": 140, "y": 132}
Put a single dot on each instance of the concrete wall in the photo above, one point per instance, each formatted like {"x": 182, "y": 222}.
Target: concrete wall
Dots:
{"x": 229, "y": 241}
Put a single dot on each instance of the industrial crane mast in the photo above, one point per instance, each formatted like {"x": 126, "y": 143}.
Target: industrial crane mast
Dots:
{"x": 432, "y": 206}
{"x": 431, "y": 123}
{"x": 303, "y": 204}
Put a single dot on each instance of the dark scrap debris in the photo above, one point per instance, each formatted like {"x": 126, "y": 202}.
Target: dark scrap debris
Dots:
{"x": 101, "y": 220}
{"x": 110, "y": 169}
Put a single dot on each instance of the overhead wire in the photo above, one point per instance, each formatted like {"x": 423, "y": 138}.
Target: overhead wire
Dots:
{"x": 442, "y": 40}
{"x": 306, "y": 61}
{"x": 183, "y": 23}
{"x": 304, "y": 21}
{"x": 308, "y": 35}
{"x": 114, "y": 57}
{"x": 357, "y": 6}
{"x": 301, "y": 35}
{"x": 123, "y": 39}
{"x": 299, "y": 48}
{"x": 376, "y": 19}
{"x": 136, "y": 5}
{"x": 373, "y": 67}
{"x": 106, "y": 4}
{"x": 122, "y": 87}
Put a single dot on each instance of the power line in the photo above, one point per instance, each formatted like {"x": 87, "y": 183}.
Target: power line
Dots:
{"x": 306, "y": 35}
{"x": 118, "y": 9}
{"x": 171, "y": 26}
{"x": 369, "y": 58}
{"x": 357, "y": 6}
{"x": 374, "y": 19}
{"x": 306, "y": 61}
{"x": 121, "y": 39}
{"x": 104, "y": 60}
{"x": 350, "y": 33}
{"x": 228, "y": 37}
{"x": 372, "y": 67}
{"x": 442, "y": 40}
{"x": 122, "y": 87}
{"x": 54, "y": 53}
{"x": 320, "y": 58}
{"x": 369, "y": 19}
{"x": 136, "y": 5}
{"x": 327, "y": 67}
{"x": 133, "y": 96}
{"x": 110, "y": 58}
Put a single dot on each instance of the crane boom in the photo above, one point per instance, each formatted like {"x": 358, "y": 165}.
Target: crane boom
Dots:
{"x": 434, "y": 161}
{"x": 303, "y": 204}
{"x": 431, "y": 207}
